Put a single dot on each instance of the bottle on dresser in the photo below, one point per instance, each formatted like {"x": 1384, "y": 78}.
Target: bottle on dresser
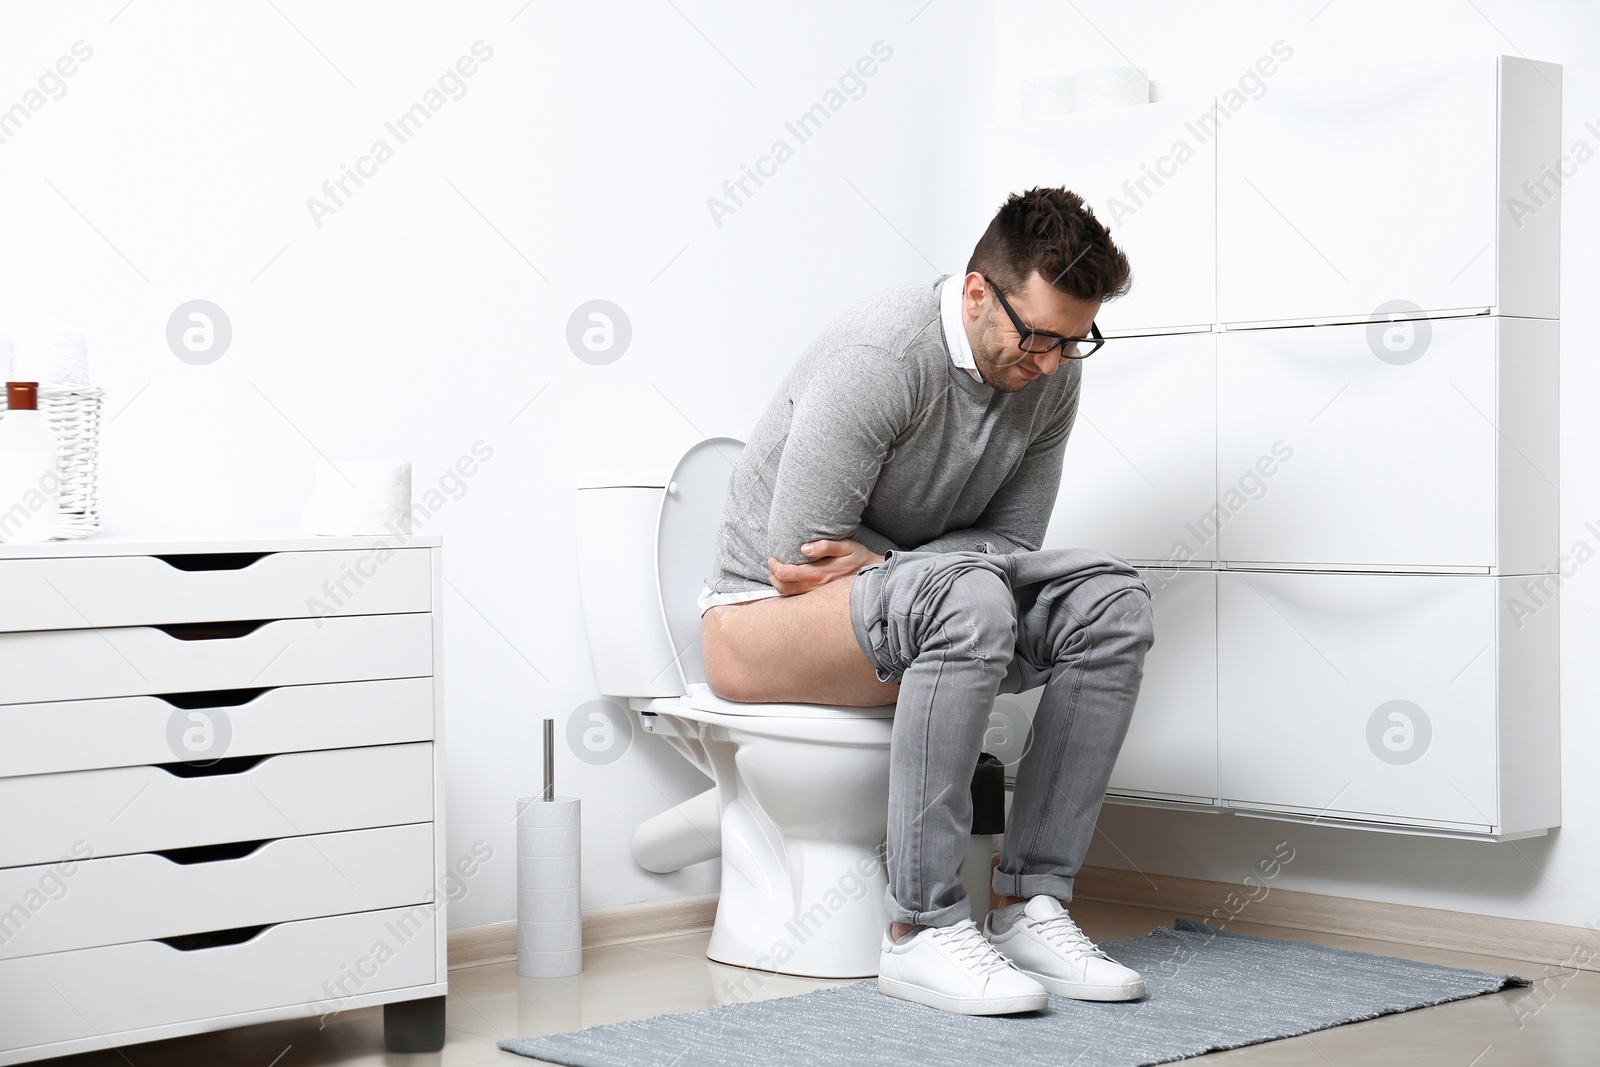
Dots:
{"x": 30, "y": 481}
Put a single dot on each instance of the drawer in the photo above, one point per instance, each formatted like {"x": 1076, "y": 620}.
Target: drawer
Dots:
{"x": 320, "y": 963}
{"x": 68, "y": 593}
{"x": 1332, "y": 455}
{"x": 1144, "y": 471}
{"x": 1170, "y": 751}
{"x": 144, "y": 809}
{"x": 1365, "y": 696}
{"x": 44, "y": 665}
{"x": 71, "y": 735}
{"x": 151, "y": 895}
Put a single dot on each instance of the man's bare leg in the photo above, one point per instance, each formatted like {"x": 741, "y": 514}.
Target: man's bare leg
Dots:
{"x": 798, "y": 649}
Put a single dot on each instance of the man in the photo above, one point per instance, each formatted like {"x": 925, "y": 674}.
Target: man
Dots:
{"x": 880, "y": 544}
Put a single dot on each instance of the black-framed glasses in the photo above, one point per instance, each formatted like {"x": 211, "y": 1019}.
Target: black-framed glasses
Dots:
{"x": 1036, "y": 343}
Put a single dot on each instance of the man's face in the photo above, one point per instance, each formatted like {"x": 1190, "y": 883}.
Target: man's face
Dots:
{"x": 994, "y": 338}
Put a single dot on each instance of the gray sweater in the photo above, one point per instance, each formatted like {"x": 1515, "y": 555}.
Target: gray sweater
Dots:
{"x": 875, "y": 434}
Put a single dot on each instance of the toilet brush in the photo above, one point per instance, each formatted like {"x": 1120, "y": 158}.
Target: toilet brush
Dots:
{"x": 549, "y": 920}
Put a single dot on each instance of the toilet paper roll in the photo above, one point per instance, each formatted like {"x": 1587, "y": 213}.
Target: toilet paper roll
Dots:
{"x": 549, "y": 913}
{"x": 1110, "y": 87}
{"x": 46, "y": 351}
{"x": 1047, "y": 96}
{"x": 359, "y": 497}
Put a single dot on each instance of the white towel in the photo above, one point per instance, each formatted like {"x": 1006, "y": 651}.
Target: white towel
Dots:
{"x": 47, "y": 352}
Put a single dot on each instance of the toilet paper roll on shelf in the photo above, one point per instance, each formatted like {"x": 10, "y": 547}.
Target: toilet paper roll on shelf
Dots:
{"x": 1047, "y": 96}
{"x": 1109, "y": 87}
{"x": 44, "y": 351}
{"x": 359, "y": 497}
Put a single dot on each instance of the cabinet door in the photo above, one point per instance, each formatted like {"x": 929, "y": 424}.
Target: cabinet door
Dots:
{"x": 1384, "y": 456}
{"x": 1139, "y": 478}
{"x": 1171, "y": 747}
{"x": 1337, "y": 196}
{"x": 1359, "y": 695}
{"x": 1149, "y": 173}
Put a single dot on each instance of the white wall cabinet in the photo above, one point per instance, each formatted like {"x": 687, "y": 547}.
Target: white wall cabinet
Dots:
{"x": 1170, "y": 753}
{"x": 235, "y": 774}
{"x": 1141, "y": 488}
{"x": 1352, "y": 453}
{"x": 1417, "y": 700}
{"x": 1149, "y": 173}
{"x": 1337, "y": 197}
{"x": 1443, "y": 456}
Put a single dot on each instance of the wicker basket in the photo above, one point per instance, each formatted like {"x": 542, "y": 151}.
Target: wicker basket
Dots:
{"x": 73, "y": 412}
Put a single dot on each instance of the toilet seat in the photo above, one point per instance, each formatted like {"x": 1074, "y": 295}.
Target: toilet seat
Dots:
{"x": 701, "y": 698}
{"x": 822, "y": 724}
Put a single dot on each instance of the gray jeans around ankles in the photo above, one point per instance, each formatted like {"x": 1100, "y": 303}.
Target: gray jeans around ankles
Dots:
{"x": 957, "y": 628}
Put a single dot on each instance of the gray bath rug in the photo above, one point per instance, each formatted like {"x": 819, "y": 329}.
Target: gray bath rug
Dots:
{"x": 1207, "y": 990}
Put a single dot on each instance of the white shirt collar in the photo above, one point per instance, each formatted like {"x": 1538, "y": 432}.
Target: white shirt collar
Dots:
{"x": 955, "y": 332}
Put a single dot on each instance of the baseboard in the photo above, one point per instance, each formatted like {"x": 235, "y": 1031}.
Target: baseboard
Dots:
{"x": 497, "y": 942}
{"x": 1567, "y": 947}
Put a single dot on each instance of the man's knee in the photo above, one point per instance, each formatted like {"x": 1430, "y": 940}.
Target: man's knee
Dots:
{"x": 1113, "y": 605}
{"x": 1129, "y": 611}
{"x": 980, "y": 607}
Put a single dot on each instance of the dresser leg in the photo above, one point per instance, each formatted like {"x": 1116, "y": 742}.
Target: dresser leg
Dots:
{"x": 414, "y": 1025}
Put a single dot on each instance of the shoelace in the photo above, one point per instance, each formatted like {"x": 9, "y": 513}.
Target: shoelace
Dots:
{"x": 967, "y": 945}
{"x": 1063, "y": 933}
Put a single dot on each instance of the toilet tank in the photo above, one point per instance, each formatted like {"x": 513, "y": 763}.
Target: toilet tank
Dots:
{"x": 628, "y": 640}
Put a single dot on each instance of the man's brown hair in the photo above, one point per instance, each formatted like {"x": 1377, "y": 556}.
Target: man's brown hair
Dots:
{"x": 1054, "y": 232}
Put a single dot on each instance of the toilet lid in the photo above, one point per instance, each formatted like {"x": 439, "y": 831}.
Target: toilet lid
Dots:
{"x": 701, "y": 698}
{"x": 686, "y": 542}
{"x": 686, "y": 539}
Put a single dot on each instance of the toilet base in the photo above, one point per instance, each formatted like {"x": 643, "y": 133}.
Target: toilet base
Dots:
{"x": 803, "y": 813}
{"x": 830, "y": 927}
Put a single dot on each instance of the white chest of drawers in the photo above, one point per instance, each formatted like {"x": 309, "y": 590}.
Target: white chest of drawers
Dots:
{"x": 221, "y": 789}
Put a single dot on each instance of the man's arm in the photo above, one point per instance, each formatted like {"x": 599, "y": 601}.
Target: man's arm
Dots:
{"x": 974, "y": 539}
{"x": 871, "y": 539}
{"x": 1017, "y": 516}
{"x": 844, "y": 424}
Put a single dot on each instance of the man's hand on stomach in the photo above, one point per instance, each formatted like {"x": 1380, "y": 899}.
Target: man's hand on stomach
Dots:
{"x": 829, "y": 560}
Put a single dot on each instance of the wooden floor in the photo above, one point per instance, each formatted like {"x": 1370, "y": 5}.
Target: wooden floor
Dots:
{"x": 1553, "y": 1024}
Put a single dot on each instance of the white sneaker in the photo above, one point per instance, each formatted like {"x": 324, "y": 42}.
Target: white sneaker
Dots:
{"x": 953, "y": 968}
{"x": 1043, "y": 941}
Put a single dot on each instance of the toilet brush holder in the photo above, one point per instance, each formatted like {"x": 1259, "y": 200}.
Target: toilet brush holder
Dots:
{"x": 549, "y": 847}
{"x": 549, "y": 919}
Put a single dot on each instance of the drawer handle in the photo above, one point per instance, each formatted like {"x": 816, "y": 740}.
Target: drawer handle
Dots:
{"x": 212, "y": 631}
{"x": 212, "y": 561}
{"x": 211, "y": 768}
{"x": 213, "y": 698}
{"x": 228, "y": 850}
{"x": 214, "y": 938}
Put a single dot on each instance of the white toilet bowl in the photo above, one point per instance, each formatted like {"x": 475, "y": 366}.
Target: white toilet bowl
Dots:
{"x": 803, "y": 805}
{"x": 802, "y": 789}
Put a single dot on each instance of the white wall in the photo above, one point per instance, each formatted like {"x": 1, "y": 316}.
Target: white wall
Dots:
{"x": 1192, "y": 49}
{"x": 178, "y": 163}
